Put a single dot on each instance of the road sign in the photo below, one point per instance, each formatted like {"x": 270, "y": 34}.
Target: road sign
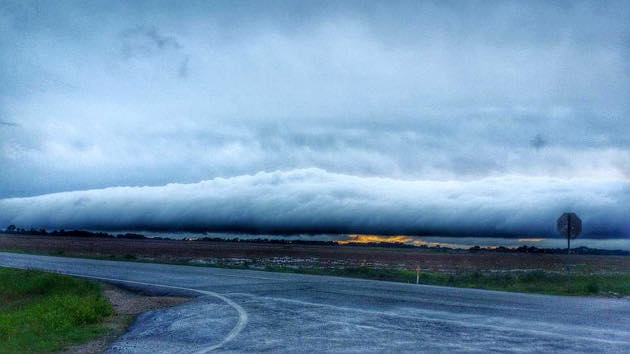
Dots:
{"x": 569, "y": 225}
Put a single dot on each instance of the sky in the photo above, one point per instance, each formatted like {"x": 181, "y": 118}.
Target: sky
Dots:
{"x": 420, "y": 117}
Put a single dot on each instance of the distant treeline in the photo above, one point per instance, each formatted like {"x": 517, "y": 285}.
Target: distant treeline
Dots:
{"x": 522, "y": 249}
{"x": 72, "y": 233}
{"x": 532, "y": 249}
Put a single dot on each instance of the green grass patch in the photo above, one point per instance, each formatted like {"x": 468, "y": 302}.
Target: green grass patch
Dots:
{"x": 529, "y": 282}
{"x": 44, "y": 312}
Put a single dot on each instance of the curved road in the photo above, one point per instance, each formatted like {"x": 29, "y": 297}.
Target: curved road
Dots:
{"x": 254, "y": 311}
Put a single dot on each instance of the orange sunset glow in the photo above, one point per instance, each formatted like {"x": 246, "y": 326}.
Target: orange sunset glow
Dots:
{"x": 363, "y": 238}
{"x": 360, "y": 238}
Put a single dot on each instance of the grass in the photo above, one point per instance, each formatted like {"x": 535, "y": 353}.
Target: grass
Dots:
{"x": 528, "y": 282}
{"x": 540, "y": 282}
{"x": 44, "y": 312}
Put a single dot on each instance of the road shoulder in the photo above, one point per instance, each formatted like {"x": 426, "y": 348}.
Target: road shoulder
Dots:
{"x": 126, "y": 306}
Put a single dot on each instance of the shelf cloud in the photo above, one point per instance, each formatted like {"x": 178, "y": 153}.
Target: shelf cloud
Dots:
{"x": 316, "y": 201}
{"x": 427, "y": 117}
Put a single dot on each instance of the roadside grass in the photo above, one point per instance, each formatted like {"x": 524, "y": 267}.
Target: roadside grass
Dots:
{"x": 43, "y": 312}
{"x": 537, "y": 281}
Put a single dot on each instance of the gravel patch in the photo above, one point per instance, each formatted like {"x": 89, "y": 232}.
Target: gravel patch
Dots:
{"x": 126, "y": 306}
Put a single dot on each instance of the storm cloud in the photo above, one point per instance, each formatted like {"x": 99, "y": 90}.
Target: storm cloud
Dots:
{"x": 315, "y": 201}
{"x": 144, "y": 94}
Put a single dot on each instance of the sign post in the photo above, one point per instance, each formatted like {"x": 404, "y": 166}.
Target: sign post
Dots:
{"x": 569, "y": 225}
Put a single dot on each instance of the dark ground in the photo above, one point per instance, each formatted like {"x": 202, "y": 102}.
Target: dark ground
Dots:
{"x": 295, "y": 255}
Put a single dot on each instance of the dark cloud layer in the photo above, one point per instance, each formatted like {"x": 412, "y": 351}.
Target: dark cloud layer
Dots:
{"x": 149, "y": 93}
{"x": 315, "y": 201}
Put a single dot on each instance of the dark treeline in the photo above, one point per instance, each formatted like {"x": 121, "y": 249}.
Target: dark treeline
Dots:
{"x": 266, "y": 240}
{"x": 532, "y": 249}
{"x": 522, "y": 249}
{"x": 12, "y": 230}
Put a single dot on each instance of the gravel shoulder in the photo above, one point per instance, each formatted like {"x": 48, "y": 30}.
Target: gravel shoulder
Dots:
{"x": 126, "y": 305}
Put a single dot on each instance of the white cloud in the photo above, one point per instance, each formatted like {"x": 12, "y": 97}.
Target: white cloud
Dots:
{"x": 312, "y": 200}
{"x": 137, "y": 94}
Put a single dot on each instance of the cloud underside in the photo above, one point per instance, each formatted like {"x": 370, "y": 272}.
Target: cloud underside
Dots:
{"x": 316, "y": 201}
{"x": 123, "y": 93}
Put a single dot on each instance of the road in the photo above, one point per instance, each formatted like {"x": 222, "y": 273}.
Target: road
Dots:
{"x": 254, "y": 311}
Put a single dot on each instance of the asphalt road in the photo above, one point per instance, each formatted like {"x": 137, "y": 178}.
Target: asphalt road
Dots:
{"x": 253, "y": 311}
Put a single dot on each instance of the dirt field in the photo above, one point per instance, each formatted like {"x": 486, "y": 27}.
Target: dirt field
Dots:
{"x": 256, "y": 255}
